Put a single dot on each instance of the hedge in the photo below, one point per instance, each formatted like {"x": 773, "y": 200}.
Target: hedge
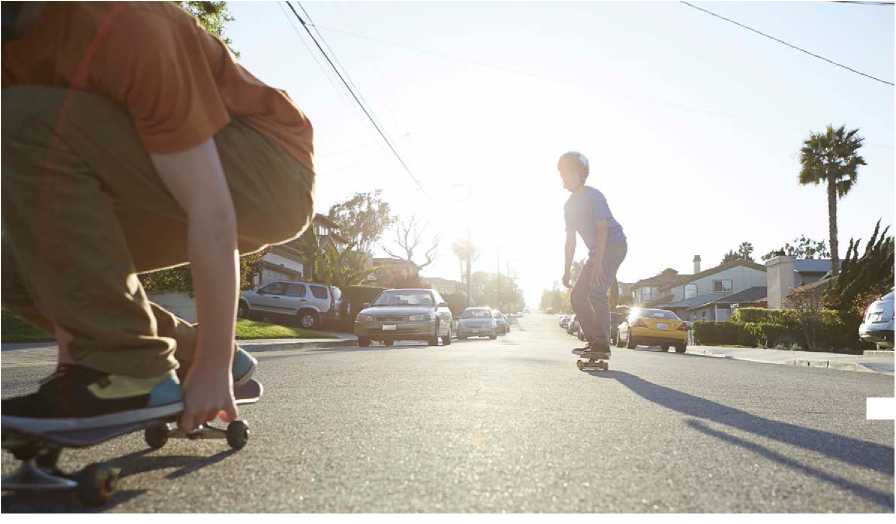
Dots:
{"x": 829, "y": 329}
{"x": 717, "y": 333}
{"x": 353, "y": 297}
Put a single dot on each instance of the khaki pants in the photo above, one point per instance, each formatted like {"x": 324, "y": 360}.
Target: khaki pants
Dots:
{"x": 84, "y": 211}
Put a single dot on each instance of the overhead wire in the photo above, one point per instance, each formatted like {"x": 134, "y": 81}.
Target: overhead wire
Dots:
{"x": 787, "y": 44}
{"x": 358, "y": 101}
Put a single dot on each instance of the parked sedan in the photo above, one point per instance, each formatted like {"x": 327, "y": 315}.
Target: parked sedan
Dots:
{"x": 501, "y": 322}
{"x": 877, "y": 326}
{"x": 405, "y": 314}
{"x": 477, "y": 322}
{"x": 564, "y": 321}
{"x": 653, "y": 327}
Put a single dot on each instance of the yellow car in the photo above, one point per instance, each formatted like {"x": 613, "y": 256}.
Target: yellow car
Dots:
{"x": 653, "y": 327}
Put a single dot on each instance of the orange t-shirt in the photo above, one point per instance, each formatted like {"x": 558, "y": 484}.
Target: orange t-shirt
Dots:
{"x": 179, "y": 83}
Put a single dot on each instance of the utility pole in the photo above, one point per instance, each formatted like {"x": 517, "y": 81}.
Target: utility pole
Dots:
{"x": 498, "y": 251}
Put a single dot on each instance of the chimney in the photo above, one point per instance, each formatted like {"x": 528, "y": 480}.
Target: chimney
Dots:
{"x": 696, "y": 264}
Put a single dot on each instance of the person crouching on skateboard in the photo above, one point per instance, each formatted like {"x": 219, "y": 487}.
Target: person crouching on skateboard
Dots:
{"x": 132, "y": 142}
{"x": 587, "y": 213}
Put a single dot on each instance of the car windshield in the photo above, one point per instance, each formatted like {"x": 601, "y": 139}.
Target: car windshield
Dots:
{"x": 405, "y": 298}
{"x": 658, "y": 313}
{"x": 476, "y": 313}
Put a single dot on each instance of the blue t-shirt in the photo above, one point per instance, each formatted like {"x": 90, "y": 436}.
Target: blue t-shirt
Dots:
{"x": 584, "y": 210}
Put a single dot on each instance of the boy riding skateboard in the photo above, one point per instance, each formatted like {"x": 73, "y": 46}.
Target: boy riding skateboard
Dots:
{"x": 133, "y": 142}
{"x": 586, "y": 212}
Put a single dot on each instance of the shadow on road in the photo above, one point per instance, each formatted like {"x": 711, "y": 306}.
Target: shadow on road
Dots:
{"x": 878, "y": 497}
{"x": 875, "y": 457}
{"x": 131, "y": 464}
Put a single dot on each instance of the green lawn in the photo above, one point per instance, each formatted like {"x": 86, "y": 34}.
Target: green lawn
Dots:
{"x": 15, "y": 330}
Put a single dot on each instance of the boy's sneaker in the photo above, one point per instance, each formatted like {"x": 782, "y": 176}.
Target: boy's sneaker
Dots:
{"x": 595, "y": 349}
{"x": 76, "y": 398}
{"x": 242, "y": 370}
{"x": 244, "y": 366}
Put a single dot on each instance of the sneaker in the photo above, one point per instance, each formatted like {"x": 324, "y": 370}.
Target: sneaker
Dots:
{"x": 598, "y": 349}
{"x": 242, "y": 369}
{"x": 244, "y": 366}
{"x": 76, "y": 398}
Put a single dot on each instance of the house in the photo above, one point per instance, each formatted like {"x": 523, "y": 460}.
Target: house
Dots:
{"x": 288, "y": 261}
{"x": 387, "y": 271}
{"x": 647, "y": 290}
{"x": 710, "y": 295}
{"x": 786, "y": 273}
{"x": 445, "y": 286}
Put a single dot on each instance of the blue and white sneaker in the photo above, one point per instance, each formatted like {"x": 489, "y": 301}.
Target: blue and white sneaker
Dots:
{"x": 77, "y": 398}
{"x": 244, "y": 366}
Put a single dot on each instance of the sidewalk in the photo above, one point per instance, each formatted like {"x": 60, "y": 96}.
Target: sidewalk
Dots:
{"x": 871, "y": 361}
{"x": 44, "y": 353}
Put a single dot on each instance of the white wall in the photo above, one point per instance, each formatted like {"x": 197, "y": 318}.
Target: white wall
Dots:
{"x": 181, "y": 304}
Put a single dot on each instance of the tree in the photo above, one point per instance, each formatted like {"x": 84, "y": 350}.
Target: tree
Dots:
{"x": 863, "y": 279}
{"x": 831, "y": 158}
{"x": 744, "y": 252}
{"x": 362, "y": 220}
{"x": 212, "y": 16}
{"x": 486, "y": 292}
{"x": 802, "y": 248}
{"x": 466, "y": 253}
{"x": 409, "y": 235}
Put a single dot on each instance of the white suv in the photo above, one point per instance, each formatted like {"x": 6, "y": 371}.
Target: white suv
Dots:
{"x": 305, "y": 302}
{"x": 877, "y": 326}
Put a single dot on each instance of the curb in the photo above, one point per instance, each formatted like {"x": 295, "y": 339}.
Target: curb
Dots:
{"x": 260, "y": 347}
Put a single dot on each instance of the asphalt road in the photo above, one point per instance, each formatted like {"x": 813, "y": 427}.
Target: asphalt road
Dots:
{"x": 512, "y": 426}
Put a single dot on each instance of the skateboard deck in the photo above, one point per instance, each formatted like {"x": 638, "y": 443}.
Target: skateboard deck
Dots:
{"x": 39, "y": 452}
{"x": 592, "y": 360}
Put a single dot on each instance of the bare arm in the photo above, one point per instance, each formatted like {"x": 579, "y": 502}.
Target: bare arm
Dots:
{"x": 196, "y": 179}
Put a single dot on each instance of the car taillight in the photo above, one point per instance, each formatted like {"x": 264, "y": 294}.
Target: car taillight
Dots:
{"x": 683, "y": 327}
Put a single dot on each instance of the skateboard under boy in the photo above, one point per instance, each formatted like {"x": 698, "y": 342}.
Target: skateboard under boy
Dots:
{"x": 94, "y": 485}
{"x": 593, "y": 360}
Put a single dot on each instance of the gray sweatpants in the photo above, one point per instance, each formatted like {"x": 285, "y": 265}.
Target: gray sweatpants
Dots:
{"x": 589, "y": 295}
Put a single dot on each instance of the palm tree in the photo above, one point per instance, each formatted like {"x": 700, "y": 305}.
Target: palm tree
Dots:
{"x": 831, "y": 157}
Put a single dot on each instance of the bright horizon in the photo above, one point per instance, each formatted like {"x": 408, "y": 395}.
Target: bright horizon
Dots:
{"x": 692, "y": 125}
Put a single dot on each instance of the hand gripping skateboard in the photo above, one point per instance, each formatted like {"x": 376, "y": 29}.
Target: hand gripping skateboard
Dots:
{"x": 595, "y": 360}
{"x": 38, "y": 453}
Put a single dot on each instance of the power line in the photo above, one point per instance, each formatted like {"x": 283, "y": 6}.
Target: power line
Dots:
{"x": 887, "y": 4}
{"x": 787, "y": 44}
{"x": 358, "y": 101}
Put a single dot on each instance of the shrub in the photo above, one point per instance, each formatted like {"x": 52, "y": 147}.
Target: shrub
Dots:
{"x": 353, "y": 297}
{"x": 718, "y": 333}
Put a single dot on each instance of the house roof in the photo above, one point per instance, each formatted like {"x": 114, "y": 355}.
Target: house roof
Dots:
{"x": 812, "y": 265}
{"x": 753, "y": 294}
{"x": 688, "y": 303}
{"x": 324, "y": 220}
{"x": 661, "y": 278}
{"x": 723, "y": 267}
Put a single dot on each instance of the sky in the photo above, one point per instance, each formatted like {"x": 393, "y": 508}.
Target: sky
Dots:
{"x": 692, "y": 125}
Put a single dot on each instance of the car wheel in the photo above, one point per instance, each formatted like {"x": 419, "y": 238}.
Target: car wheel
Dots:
{"x": 681, "y": 348}
{"x": 434, "y": 340}
{"x": 308, "y": 319}
{"x": 630, "y": 342}
{"x": 363, "y": 342}
{"x": 446, "y": 340}
{"x": 242, "y": 310}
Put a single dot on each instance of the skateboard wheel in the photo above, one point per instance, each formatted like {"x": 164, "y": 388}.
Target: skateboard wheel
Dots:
{"x": 96, "y": 484}
{"x": 48, "y": 459}
{"x": 579, "y": 364}
{"x": 237, "y": 434}
{"x": 156, "y": 436}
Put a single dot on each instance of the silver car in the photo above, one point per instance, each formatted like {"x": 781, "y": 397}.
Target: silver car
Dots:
{"x": 477, "y": 322}
{"x": 877, "y": 326}
{"x": 405, "y": 314}
{"x": 305, "y": 303}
